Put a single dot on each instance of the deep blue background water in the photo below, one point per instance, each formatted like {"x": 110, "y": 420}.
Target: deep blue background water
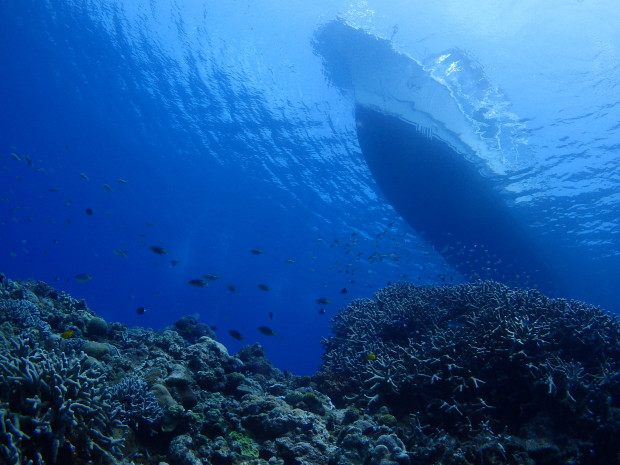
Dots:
{"x": 222, "y": 119}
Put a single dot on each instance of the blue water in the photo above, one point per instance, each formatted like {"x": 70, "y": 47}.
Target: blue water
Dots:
{"x": 231, "y": 136}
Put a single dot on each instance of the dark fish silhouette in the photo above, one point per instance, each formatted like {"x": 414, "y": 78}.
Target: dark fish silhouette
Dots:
{"x": 266, "y": 331}
{"x": 83, "y": 277}
{"x": 235, "y": 334}
{"x": 158, "y": 249}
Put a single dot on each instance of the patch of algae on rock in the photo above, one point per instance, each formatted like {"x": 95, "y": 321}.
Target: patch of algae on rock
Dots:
{"x": 244, "y": 444}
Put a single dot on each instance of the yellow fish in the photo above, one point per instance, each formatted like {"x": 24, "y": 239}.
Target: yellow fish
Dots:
{"x": 67, "y": 334}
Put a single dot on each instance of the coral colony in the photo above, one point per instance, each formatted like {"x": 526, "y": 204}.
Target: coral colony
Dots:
{"x": 471, "y": 374}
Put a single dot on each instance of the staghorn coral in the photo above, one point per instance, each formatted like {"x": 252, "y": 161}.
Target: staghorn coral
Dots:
{"x": 24, "y": 314}
{"x": 54, "y": 408}
{"x": 138, "y": 405}
{"x": 481, "y": 360}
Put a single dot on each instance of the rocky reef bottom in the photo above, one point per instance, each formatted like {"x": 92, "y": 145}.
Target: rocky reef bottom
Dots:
{"x": 469, "y": 374}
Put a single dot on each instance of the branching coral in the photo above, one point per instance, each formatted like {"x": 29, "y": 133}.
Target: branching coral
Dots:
{"x": 54, "y": 408}
{"x": 23, "y": 314}
{"x": 462, "y": 356}
{"x": 138, "y": 405}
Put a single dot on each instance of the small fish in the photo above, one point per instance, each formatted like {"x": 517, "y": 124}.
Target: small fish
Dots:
{"x": 67, "y": 334}
{"x": 231, "y": 287}
{"x": 322, "y": 311}
{"x": 344, "y": 290}
{"x": 174, "y": 262}
{"x": 107, "y": 187}
{"x": 15, "y": 157}
{"x": 266, "y": 331}
{"x": 28, "y": 160}
{"x": 121, "y": 253}
{"x": 121, "y": 181}
{"x": 89, "y": 211}
{"x": 322, "y": 301}
{"x": 264, "y": 287}
{"x": 235, "y": 334}
{"x": 271, "y": 315}
{"x": 197, "y": 283}
{"x": 54, "y": 189}
{"x": 140, "y": 310}
{"x": 213, "y": 327}
{"x": 84, "y": 176}
{"x": 158, "y": 249}
{"x": 210, "y": 277}
{"x": 289, "y": 260}
{"x": 256, "y": 251}
{"x": 371, "y": 356}
{"x": 83, "y": 277}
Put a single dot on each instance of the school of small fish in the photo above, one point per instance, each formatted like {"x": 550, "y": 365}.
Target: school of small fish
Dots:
{"x": 357, "y": 253}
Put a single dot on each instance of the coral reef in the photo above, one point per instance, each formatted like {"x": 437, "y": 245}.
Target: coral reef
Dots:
{"x": 138, "y": 405}
{"x": 54, "y": 408}
{"x": 483, "y": 365}
{"x": 472, "y": 374}
{"x": 23, "y": 314}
